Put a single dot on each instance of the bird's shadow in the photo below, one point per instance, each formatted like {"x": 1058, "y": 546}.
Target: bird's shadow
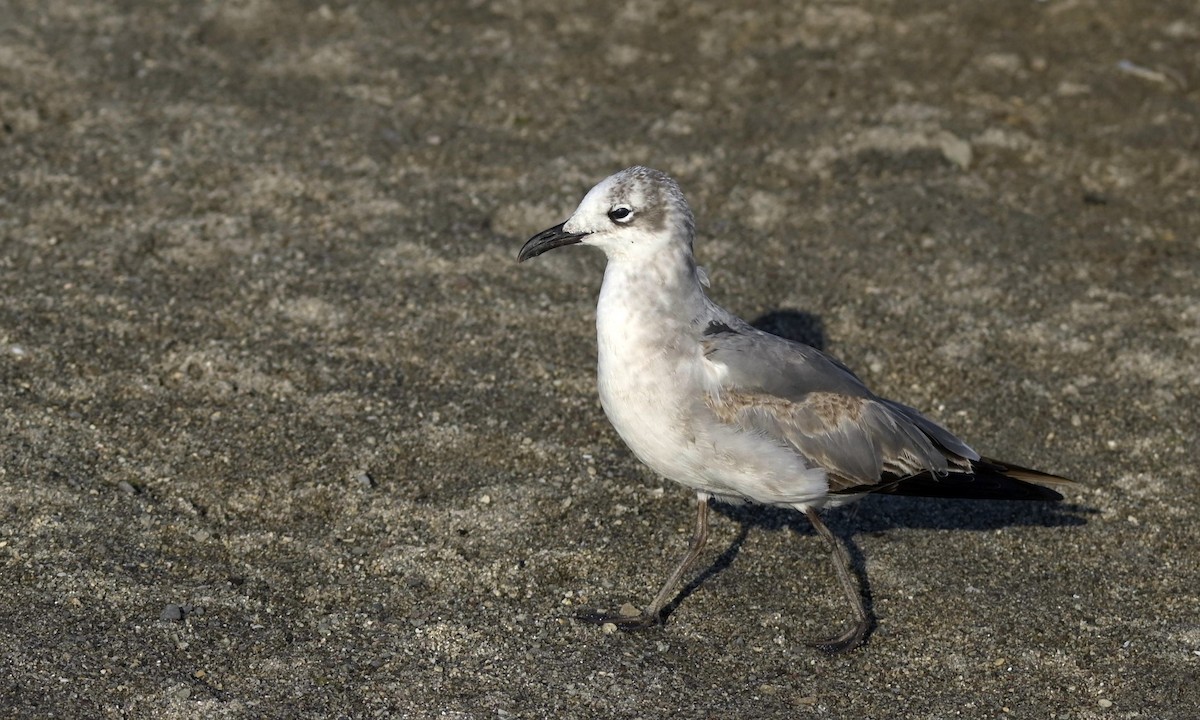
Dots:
{"x": 875, "y": 514}
{"x": 795, "y": 325}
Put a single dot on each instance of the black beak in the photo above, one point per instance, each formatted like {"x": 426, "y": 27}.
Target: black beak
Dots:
{"x": 548, "y": 239}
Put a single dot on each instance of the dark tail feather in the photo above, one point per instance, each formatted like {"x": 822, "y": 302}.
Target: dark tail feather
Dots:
{"x": 988, "y": 480}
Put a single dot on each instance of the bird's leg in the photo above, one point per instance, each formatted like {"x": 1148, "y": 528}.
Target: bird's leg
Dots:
{"x": 853, "y": 636}
{"x": 651, "y": 615}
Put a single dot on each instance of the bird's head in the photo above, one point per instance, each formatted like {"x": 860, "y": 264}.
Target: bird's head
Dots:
{"x": 635, "y": 212}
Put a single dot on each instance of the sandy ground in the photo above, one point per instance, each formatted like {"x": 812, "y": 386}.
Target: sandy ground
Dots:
{"x": 286, "y": 432}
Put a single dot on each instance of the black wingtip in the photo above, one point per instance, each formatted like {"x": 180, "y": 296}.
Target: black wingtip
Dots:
{"x": 1023, "y": 473}
{"x": 988, "y": 480}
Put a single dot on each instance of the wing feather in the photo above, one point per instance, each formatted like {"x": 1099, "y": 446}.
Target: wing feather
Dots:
{"x": 857, "y": 441}
{"x": 806, "y": 400}
{"x": 800, "y": 396}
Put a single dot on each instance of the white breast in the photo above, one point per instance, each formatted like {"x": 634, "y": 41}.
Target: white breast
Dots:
{"x": 645, "y": 374}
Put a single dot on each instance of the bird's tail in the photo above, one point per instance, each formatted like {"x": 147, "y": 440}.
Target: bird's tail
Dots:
{"x": 987, "y": 480}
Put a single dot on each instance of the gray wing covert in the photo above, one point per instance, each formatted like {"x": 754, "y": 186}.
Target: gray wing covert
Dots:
{"x": 800, "y": 396}
{"x": 771, "y": 364}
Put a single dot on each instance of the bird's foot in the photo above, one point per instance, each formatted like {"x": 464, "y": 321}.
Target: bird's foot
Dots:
{"x": 847, "y": 641}
{"x": 628, "y": 618}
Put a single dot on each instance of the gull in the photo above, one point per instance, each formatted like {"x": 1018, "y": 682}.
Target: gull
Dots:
{"x": 739, "y": 415}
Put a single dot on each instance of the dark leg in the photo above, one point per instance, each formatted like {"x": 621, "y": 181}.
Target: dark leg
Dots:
{"x": 853, "y": 637}
{"x": 650, "y": 616}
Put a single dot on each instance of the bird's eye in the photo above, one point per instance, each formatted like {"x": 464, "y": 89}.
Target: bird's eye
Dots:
{"x": 621, "y": 214}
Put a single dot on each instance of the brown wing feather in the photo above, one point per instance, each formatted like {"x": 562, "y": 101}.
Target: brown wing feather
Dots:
{"x": 866, "y": 446}
{"x": 859, "y": 441}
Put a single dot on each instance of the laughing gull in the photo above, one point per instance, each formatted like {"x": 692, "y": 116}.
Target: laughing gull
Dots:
{"x": 737, "y": 414}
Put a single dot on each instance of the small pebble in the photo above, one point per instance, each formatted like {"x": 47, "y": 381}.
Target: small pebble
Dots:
{"x": 172, "y": 613}
{"x": 608, "y": 628}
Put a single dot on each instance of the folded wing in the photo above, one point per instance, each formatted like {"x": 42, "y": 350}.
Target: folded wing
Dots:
{"x": 805, "y": 399}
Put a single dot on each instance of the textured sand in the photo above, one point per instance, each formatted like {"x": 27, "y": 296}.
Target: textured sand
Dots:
{"x": 286, "y": 432}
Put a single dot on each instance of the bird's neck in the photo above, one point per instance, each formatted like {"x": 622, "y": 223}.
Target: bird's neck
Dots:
{"x": 661, "y": 294}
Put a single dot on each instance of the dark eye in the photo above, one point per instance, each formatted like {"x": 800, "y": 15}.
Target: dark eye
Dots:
{"x": 620, "y": 213}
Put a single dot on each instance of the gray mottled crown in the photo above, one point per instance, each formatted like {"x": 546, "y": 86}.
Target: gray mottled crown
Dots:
{"x": 657, "y": 197}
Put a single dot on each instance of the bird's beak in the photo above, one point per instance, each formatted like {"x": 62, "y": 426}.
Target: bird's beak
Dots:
{"x": 548, "y": 239}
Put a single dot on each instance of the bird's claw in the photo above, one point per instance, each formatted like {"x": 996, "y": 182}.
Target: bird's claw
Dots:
{"x": 847, "y": 641}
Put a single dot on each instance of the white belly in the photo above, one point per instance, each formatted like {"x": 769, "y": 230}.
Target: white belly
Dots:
{"x": 645, "y": 400}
